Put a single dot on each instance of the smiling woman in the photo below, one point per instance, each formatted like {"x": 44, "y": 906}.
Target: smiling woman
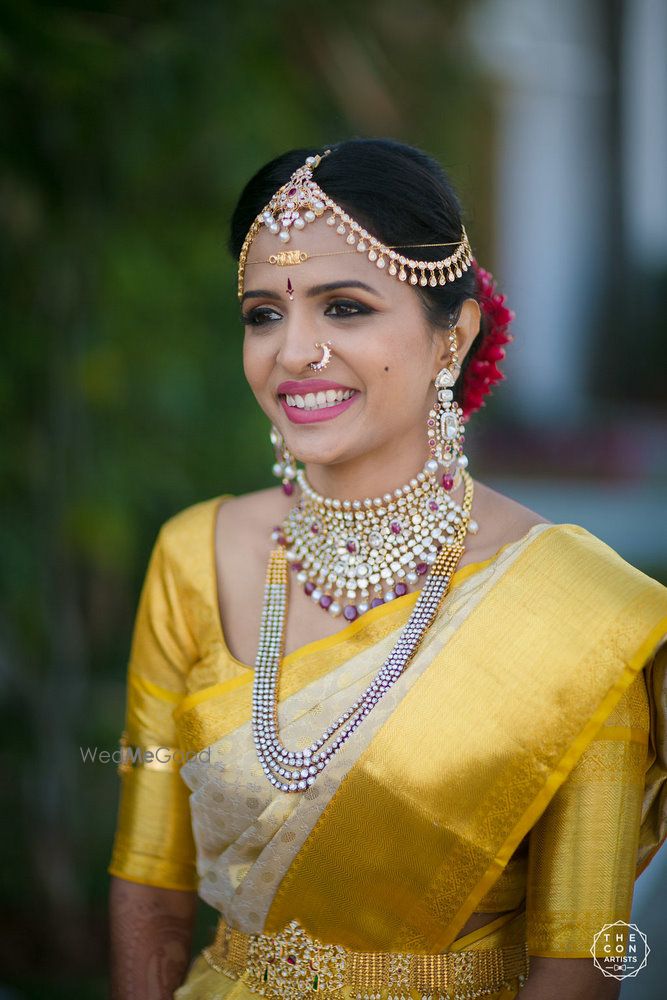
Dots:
{"x": 447, "y": 767}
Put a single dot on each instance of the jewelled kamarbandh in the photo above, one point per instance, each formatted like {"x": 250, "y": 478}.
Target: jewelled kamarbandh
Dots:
{"x": 292, "y": 964}
{"x": 301, "y": 201}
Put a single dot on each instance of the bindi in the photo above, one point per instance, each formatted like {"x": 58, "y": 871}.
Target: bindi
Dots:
{"x": 290, "y": 290}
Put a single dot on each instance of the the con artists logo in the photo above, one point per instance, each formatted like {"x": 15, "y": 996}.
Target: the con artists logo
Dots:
{"x": 620, "y": 950}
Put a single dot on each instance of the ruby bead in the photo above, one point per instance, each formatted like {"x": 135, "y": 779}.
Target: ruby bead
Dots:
{"x": 395, "y": 527}
{"x": 281, "y": 540}
{"x": 351, "y": 546}
{"x": 296, "y": 566}
{"x": 432, "y": 505}
{"x": 400, "y": 589}
{"x": 377, "y": 601}
{"x": 288, "y": 489}
{"x": 447, "y": 482}
{"x": 421, "y": 568}
{"x": 325, "y": 601}
{"x": 350, "y": 612}
{"x": 309, "y": 587}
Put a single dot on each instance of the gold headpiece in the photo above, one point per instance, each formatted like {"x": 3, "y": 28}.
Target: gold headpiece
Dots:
{"x": 301, "y": 201}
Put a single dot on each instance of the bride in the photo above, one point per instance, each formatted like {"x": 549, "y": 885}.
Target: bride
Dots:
{"x": 408, "y": 729}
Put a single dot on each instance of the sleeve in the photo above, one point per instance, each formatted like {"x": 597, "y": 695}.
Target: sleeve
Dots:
{"x": 583, "y": 850}
{"x": 153, "y": 844}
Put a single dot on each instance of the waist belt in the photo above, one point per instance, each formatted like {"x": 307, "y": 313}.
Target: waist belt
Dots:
{"x": 292, "y": 964}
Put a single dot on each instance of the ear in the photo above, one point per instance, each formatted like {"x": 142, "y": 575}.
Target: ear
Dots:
{"x": 467, "y": 328}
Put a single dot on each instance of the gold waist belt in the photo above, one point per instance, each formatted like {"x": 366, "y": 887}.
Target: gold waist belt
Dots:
{"x": 292, "y": 964}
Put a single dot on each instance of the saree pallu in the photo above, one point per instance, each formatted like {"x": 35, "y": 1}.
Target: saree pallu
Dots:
{"x": 518, "y": 765}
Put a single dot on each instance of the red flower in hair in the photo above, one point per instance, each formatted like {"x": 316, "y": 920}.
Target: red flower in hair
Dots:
{"x": 482, "y": 373}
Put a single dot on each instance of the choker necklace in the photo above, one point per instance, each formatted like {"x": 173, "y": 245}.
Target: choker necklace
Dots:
{"x": 295, "y": 770}
{"x": 352, "y": 555}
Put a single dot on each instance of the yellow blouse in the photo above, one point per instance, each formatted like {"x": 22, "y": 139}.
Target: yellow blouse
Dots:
{"x": 179, "y": 652}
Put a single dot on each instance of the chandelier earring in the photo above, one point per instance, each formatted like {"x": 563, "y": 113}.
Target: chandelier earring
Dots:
{"x": 445, "y": 424}
{"x": 284, "y": 466}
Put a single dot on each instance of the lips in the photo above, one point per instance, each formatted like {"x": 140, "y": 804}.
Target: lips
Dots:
{"x": 308, "y": 410}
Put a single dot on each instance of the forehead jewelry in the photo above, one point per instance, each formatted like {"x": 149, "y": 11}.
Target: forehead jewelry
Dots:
{"x": 301, "y": 200}
{"x": 320, "y": 365}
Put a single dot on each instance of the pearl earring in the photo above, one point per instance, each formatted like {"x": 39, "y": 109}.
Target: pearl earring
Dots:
{"x": 284, "y": 466}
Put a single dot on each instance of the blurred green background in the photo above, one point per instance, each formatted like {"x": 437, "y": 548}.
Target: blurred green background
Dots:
{"x": 127, "y": 132}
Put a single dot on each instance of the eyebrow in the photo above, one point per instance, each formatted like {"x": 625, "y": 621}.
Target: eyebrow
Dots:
{"x": 330, "y": 286}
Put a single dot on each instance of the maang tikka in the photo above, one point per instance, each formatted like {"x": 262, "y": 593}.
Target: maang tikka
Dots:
{"x": 445, "y": 424}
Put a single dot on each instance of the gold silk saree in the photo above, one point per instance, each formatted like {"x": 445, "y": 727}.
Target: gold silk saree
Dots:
{"x": 518, "y": 766}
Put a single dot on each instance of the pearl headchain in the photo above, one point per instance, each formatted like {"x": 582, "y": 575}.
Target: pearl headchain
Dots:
{"x": 301, "y": 200}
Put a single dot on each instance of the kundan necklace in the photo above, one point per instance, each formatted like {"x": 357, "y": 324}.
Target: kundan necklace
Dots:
{"x": 295, "y": 770}
{"x": 352, "y": 555}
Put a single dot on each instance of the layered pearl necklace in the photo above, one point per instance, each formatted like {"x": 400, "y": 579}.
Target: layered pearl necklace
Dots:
{"x": 352, "y": 555}
{"x": 295, "y": 770}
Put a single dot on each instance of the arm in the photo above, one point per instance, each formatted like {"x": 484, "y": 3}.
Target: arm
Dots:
{"x": 151, "y": 936}
{"x": 582, "y": 858}
{"x": 567, "y": 979}
{"x": 152, "y": 899}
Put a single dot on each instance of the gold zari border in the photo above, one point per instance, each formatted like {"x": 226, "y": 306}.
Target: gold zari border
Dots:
{"x": 292, "y": 964}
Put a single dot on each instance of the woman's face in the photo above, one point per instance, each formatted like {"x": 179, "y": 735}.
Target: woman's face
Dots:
{"x": 384, "y": 355}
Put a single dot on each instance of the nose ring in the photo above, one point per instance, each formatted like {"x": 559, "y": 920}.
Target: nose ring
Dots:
{"x": 320, "y": 365}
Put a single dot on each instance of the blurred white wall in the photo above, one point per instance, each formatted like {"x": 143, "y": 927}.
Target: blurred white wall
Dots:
{"x": 553, "y": 75}
{"x": 644, "y": 119}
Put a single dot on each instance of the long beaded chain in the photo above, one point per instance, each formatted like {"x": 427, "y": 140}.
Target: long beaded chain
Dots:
{"x": 352, "y": 555}
{"x": 295, "y": 770}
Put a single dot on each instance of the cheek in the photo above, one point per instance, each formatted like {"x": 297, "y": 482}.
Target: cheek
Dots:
{"x": 257, "y": 363}
{"x": 402, "y": 363}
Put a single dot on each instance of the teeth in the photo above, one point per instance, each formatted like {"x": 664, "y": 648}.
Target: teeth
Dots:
{"x": 320, "y": 400}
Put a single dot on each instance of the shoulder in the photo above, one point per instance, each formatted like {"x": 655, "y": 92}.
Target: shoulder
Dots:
{"x": 186, "y": 538}
{"x": 249, "y": 511}
{"x": 245, "y": 523}
{"x": 568, "y": 553}
{"x": 501, "y": 521}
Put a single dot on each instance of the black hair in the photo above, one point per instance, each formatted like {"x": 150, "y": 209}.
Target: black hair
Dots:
{"x": 399, "y": 193}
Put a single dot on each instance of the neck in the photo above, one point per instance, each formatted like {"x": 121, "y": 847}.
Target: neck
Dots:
{"x": 372, "y": 474}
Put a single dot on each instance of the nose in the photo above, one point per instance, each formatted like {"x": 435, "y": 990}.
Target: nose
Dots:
{"x": 297, "y": 346}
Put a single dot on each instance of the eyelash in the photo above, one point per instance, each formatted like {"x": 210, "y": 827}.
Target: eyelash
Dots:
{"x": 254, "y": 317}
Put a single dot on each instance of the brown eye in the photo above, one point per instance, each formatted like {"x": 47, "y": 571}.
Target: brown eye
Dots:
{"x": 259, "y": 316}
{"x": 347, "y": 308}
